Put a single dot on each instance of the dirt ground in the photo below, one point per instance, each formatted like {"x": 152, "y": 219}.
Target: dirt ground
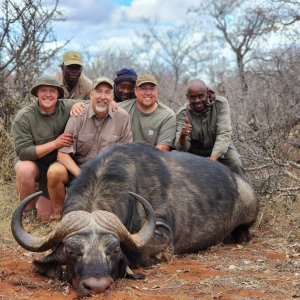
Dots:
{"x": 266, "y": 268}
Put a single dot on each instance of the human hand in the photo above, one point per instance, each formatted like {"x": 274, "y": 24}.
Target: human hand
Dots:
{"x": 186, "y": 128}
{"x": 114, "y": 105}
{"x": 77, "y": 109}
{"x": 213, "y": 158}
{"x": 64, "y": 140}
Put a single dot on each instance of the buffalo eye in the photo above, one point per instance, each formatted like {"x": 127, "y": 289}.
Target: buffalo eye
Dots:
{"x": 68, "y": 251}
{"x": 114, "y": 252}
{"x": 71, "y": 252}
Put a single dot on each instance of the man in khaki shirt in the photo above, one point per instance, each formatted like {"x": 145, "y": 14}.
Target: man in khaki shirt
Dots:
{"x": 204, "y": 127}
{"x": 76, "y": 85}
{"x": 97, "y": 128}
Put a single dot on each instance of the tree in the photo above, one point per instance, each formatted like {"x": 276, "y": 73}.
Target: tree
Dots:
{"x": 108, "y": 61}
{"x": 177, "y": 50}
{"x": 240, "y": 25}
{"x": 26, "y": 46}
{"x": 288, "y": 11}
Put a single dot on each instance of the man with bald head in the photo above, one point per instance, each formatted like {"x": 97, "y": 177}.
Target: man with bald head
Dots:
{"x": 203, "y": 127}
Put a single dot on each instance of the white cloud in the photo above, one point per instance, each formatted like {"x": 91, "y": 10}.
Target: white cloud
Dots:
{"x": 93, "y": 22}
{"x": 163, "y": 11}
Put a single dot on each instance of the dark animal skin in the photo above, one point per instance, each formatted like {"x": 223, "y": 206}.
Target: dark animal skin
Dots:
{"x": 131, "y": 202}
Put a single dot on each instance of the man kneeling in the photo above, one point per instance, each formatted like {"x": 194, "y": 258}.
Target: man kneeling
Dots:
{"x": 96, "y": 129}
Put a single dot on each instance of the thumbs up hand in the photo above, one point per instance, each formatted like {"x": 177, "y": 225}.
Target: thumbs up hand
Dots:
{"x": 186, "y": 128}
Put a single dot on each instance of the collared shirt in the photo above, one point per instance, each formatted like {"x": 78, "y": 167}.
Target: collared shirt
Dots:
{"x": 81, "y": 90}
{"x": 155, "y": 128}
{"x": 211, "y": 133}
{"x": 91, "y": 135}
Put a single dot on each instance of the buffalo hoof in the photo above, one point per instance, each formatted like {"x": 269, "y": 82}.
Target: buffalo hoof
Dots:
{"x": 241, "y": 234}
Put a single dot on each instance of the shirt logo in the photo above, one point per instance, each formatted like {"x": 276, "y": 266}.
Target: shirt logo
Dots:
{"x": 151, "y": 132}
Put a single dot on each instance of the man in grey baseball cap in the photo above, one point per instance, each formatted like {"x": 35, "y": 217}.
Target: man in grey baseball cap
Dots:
{"x": 99, "y": 127}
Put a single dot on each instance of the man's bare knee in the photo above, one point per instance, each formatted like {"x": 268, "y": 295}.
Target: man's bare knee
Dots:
{"x": 57, "y": 173}
{"x": 26, "y": 169}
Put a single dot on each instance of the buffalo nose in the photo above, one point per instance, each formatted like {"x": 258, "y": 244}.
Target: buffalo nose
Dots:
{"x": 94, "y": 285}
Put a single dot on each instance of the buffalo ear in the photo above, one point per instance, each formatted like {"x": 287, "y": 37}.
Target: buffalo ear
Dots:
{"x": 122, "y": 265}
{"x": 51, "y": 265}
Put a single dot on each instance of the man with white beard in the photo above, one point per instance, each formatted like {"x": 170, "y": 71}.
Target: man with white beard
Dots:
{"x": 97, "y": 128}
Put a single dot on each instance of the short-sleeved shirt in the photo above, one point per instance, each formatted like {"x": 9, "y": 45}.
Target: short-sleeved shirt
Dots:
{"x": 81, "y": 90}
{"x": 155, "y": 128}
{"x": 211, "y": 133}
{"x": 91, "y": 135}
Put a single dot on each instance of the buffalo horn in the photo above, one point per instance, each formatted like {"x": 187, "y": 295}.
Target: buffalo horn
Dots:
{"x": 113, "y": 223}
{"x": 71, "y": 222}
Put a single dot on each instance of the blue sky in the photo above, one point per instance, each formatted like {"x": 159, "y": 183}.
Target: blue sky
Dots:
{"x": 122, "y": 2}
{"x": 108, "y": 23}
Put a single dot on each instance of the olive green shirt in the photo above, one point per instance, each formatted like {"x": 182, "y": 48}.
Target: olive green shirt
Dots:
{"x": 32, "y": 127}
{"x": 91, "y": 135}
{"x": 81, "y": 90}
{"x": 155, "y": 128}
{"x": 211, "y": 131}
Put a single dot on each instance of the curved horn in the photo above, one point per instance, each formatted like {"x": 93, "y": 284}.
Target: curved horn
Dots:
{"x": 71, "y": 222}
{"x": 26, "y": 240}
{"x": 111, "y": 222}
{"x": 146, "y": 232}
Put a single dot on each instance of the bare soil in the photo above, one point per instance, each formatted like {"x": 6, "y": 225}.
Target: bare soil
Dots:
{"x": 266, "y": 268}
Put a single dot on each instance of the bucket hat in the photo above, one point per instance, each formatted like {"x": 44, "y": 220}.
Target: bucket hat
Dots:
{"x": 50, "y": 81}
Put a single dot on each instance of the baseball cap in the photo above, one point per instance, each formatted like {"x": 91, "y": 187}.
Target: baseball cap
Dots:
{"x": 72, "y": 58}
{"x": 102, "y": 79}
{"x": 146, "y": 78}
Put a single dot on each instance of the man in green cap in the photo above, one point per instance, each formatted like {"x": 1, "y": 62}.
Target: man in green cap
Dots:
{"x": 99, "y": 127}
{"x": 76, "y": 85}
{"x": 39, "y": 132}
{"x": 151, "y": 121}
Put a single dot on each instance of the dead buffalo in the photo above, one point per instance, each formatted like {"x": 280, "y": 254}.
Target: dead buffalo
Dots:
{"x": 129, "y": 204}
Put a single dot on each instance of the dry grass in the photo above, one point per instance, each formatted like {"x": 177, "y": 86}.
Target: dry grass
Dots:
{"x": 8, "y": 202}
{"x": 281, "y": 213}
{"x": 7, "y": 154}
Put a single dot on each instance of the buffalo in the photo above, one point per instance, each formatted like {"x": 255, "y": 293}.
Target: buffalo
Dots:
{"x": 129, "y": 204}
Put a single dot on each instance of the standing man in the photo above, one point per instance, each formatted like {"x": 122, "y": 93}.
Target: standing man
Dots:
{"x": 39, "y": 132}
{"x": 151, "y": 121}
{"x": 124, "y": 85}
{"x": 75, "y": 84}
{"x": 97, "y": 128}
{"x": 204, "y": 127}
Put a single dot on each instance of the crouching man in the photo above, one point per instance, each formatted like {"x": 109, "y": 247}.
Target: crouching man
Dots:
{"x": 97, "y": 128}
{"x": 38, "y": 132}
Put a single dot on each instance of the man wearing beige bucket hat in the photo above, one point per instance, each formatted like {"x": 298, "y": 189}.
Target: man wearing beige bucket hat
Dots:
{"x": 76, "y": 85}
{"x": 99, "y": 127}
{"x": 39, "y": 132}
